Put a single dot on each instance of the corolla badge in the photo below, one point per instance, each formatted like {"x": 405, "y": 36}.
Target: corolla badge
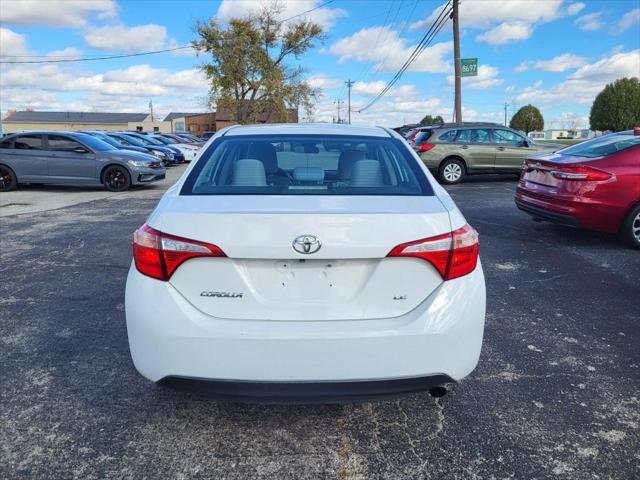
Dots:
{"x": 221, "y": 294}
{"x": 306, "y": 244}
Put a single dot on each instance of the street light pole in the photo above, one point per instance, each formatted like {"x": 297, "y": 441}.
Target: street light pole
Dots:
{"x": 456, "y": 58}
{"x": 349, "y": 84}
{"x": 339, "y": 102}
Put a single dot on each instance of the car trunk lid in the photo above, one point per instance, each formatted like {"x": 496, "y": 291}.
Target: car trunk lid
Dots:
{"x": 264, "y": 278}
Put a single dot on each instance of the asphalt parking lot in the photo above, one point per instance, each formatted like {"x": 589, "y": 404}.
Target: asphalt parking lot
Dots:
{"x": 556, "y": 393}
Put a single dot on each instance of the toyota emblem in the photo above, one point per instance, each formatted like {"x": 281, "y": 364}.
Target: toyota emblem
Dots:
{"x": 306, "y": 244}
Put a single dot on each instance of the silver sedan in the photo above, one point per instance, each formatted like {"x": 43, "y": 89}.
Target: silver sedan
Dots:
{"x": 71, "y": 158}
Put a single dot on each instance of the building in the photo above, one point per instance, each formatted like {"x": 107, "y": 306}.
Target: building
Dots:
{"x": 196, "y": 123}
{"x": 225, "y": 118}
{"x": 563, "y": 134}
{"x": 178, "y": 120}
{"x": 37, "y": 120}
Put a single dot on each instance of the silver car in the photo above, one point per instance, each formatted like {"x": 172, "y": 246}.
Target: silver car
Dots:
{"x": 71, "y": 158}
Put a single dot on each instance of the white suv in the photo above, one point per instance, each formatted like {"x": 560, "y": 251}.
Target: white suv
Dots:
{"x": 306, "y": 262}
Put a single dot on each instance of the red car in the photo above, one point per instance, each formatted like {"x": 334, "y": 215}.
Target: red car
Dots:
{"x": 593, "y": 185}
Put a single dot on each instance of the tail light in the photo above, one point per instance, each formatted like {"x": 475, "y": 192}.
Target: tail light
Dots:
{"x": 453, "y": 254}
{"x": 580, "y": 172}
{"x": 158, "y": 254}
{"x": 425, "y": 147}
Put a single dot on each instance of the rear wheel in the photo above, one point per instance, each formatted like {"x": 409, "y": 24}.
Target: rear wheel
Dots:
{"x": 116, "y": 179}
{"x": 451, "y": 171}
{"x": 630, "y": 231}
{"x": 8, "y": 179}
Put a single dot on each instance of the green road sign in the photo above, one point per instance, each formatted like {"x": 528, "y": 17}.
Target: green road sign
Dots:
{"x": 469, "y": 67}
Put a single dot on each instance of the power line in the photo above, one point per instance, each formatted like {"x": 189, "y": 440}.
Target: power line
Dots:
{"x": 107, "y": 57}
{"x": 69, "y": 59}
{"x": 400, "y": 32}
{"x": 366, "y": 68}
{"x": 386, "y": 37}
{"x": 308, "y": 11}
{"x": 433, "y": 30}
{"x": 424, "y": 42}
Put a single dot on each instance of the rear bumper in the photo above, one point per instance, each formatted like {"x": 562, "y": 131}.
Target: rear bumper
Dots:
{"x": 573, "y": 211}
{"x": 305, "y": 392}
{"x": 546, "y": 214}
{"x": 169, "y": 337}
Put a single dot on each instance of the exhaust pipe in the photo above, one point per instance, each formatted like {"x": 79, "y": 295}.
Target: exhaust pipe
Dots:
{"x": 438, "y": 392}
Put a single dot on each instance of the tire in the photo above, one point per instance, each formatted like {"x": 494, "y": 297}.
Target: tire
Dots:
{"x": 116, "y": 178}
{"x": 630, "y": 230}
{"x": 451, "y": 171}
{"x": 8, "y": 179}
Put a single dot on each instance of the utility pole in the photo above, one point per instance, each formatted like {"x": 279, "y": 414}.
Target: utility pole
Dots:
{"x": 456, "y": 58}
{"x": 505, "y": 114}
{"x": 151, "y": 108}
{"x": 349, "y": 84}
{"x": 339, "y": 102}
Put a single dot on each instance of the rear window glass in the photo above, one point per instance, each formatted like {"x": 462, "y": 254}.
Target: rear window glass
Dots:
{"x": 422, "y": 137}
{"x": 602, "y": 146}
{"x": 307, "y": 165}
{"x": 448, "y": 136}
{"x": 28, "y": 142}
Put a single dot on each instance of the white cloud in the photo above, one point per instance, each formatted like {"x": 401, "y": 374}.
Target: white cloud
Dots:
{"x": 371, "y": 89}
{"x": 389, "y": 51}
{"x": 66, "y": 53}
{"x": 590, "y": 21}
{"x": 129, "y": 39}
{"x": 55, "y": 13}
{"x": 323, "y": 82}
{"x": 486, "y": 14}
{"x": 510, "y": 89}
{"x": 610, "y": 68}
{"x": 628, "y": 20}
{"x": 12, "y": 43}
{"x": 506, "y": 32}
{"x": 134, "y": 81}
{"x": 326, "y": 17}
{"x": 486, "y": 78}
{"x": 22, "y": 99}
{"x": 69, "y": 86}
{"x": 584, "y": 84}
{"x": 575, "y": 8}
{"x": 560, "y": 63}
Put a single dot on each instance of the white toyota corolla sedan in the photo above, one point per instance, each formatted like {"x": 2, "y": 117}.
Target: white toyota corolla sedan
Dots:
{"x": 306, "y": 262}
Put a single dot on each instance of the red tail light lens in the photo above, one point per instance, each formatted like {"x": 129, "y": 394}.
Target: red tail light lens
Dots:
{"x": 580, "y": 173}
{"x": 425, "y": 147}
{"x": 453, "y": 254}
{"x": 158, "y": 254}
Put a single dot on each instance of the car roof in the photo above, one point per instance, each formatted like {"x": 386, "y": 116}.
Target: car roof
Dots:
{"x": 307, "y": 129}
{"x": 48, "y": 132}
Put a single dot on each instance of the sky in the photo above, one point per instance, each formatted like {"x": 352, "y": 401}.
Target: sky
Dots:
{"x": 554, "y": 54}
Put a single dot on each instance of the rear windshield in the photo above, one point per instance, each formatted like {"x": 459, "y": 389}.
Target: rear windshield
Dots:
{"x": 306, "y": 165}
{"x": 602, "y": 146}
{"x": 95, "y": 143}
{"x": 422, "y": 137}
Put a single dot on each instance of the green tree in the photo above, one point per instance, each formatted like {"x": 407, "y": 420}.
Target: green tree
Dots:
{"x": 248, "y": 70}
{"x": 429, "y": 120}
{"x": 527, "y": 119}
{"x": 617, "y": 107}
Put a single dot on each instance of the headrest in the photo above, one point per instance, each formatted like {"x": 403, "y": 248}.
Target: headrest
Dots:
{"x": 366, "y": 173}
{"x": 249, "y": 172}
{"x": 346, "y": 161}
{"x": 266, "y": 153}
